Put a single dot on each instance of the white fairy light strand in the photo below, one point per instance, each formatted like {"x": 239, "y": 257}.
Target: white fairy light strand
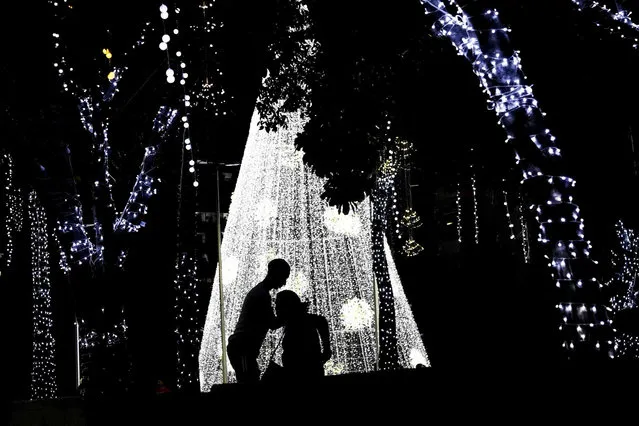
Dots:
{"x": 276, "y": 211}
{"x": 525, "y": 242}
{"x": 43, "y": 374}
{"x": 13, "y": 203}
{"x": 187, "y": 283}
{"x": 509, "y": 219}
{"x": 170, "y": 73}
{"x": 458, "y": 202}
{"x": 620, "y": 21}
{"x": 503, "y": 81}
{"x": 210, "y": 92}
{"x": 473, "y": 184}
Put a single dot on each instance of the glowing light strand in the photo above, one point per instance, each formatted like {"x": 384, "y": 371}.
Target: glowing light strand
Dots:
{"x": 512, "y": 100}
{"x": 525, "y": 243}
{"x": 210, "y": 93}
{"x": 458, "y": 202}
{"x": 14, "y": 207}
{"x": 620, "y": 22}
{"x": 626, "y": 261}
{"x": 276, "y": 211}
{"x": 187, "y": 285}
{"x": 509, "y": 219}
{"x": 43, "y": 374}
{"x": 170, "y": 73}
{"x": 132, "y": 217}
{"x": 473, "y": 184}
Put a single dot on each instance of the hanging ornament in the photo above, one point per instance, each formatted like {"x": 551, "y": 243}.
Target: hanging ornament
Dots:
{"x": 412, "y": 248}
{"x": 411, "y": 219}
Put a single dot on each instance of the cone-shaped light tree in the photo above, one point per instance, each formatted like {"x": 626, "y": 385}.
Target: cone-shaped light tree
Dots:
{"x": 277, "y": 211}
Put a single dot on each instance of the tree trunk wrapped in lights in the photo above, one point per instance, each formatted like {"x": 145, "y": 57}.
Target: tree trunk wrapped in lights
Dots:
{"x": 43, "y": 374}
{"x": 276, "y": 211}
{"x": 584, "y": 326}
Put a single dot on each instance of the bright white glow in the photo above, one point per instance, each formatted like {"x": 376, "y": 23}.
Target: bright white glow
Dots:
{"x": 163, "y": 46}
{"x": 276, "y": 210}
{"x": 176, "y": 32}
{"x": 349, "y": 224}
{"x": 163, "y": 8}
{"x": 170, "y": 79}
{"x": 356, "y": 315}
{"x": 196, "y": 184}
{"x": 166, "y": 38}
{"x": 170, "y": 72}
{"x": 164, "y": 15}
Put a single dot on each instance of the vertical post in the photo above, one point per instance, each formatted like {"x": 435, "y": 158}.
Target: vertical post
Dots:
{"x": 219, "y": 267}
{"x": 376, "y": 300}
{"x": 376, "y": 322}
{"x": 77, "y": 353}
{"x": 634, "y": 154}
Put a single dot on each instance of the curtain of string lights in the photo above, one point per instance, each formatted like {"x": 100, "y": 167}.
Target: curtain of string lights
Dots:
{"x": 276, "y": 211}
{"x": 43, "y": 373}
{"x": 584, "y": 324}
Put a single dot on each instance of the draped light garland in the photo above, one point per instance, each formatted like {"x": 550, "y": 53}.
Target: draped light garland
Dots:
{"x": 170, "y": 78}
{"x": 43, "y": 373}
{"x": 619, "y": 22}
{"x": 209, "y": 94}
{"x": 585, "y": 327}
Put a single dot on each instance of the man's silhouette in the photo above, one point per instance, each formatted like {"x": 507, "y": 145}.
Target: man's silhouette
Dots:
{"x": 256, "y": 319}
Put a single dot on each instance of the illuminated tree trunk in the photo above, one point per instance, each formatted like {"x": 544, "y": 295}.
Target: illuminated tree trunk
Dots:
{"x": 584, "y": 326}
{"x": 387, "y": 326}
{"x": 277, "y": 211}
{"x": 43, "y": 374}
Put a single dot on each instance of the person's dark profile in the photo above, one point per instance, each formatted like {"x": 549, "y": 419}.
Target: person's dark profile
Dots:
{"x": 256, "y": 319}
{"x": 306, "y": 343}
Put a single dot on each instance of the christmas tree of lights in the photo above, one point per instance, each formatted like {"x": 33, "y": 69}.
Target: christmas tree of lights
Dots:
{"x": 43, "y": 378}
{"x": 276, "y": 211}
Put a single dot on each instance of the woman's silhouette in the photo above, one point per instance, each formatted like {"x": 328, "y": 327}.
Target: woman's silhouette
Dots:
{"x": 306, "y": 343}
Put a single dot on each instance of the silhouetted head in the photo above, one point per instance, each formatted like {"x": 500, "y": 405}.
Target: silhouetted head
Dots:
{"x": 288, "y": 305}
{"x": 278, "y": 272}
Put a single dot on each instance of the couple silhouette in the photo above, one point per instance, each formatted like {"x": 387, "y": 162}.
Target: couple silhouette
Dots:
{"x": 305, "y": 341}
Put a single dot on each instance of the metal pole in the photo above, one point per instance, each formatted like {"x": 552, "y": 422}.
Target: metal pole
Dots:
{"x": 376, "y": 322}
{"x": 77, "y": 353}
{"x": 375, "y": 297}
{"x": 219, "y": 267}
